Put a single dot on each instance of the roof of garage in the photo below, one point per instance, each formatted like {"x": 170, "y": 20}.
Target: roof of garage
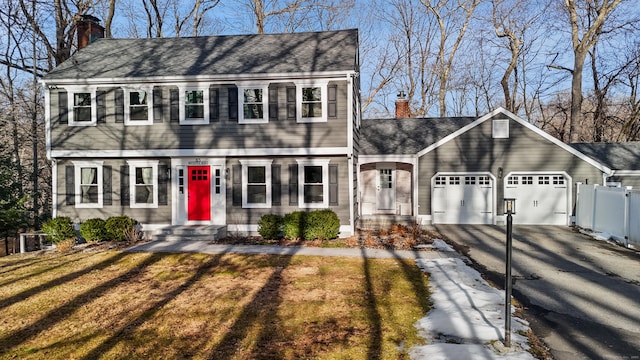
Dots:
{"x": 406, "y": 136}
{"x": 617, "y": 156}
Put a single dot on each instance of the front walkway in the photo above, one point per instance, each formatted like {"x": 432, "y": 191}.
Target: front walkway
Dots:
{"x": 186, "y": 246}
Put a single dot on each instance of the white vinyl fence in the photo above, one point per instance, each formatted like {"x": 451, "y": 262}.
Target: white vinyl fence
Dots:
{"x": 611, "y": 210}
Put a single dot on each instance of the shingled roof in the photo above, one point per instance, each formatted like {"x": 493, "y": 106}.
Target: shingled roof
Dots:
{"x": 406, "y": 136}
{"x": 308, "y": 52}
{"x": 616, "y": 156}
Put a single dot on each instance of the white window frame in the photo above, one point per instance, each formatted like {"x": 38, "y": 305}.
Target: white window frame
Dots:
{"x": 71, "y": 91}
{"x": 265, "y": 103}
{"x": 245, "y": 183}
{"x": 325, "y": 183}
{"x": 127, "y": 106}
{"x": 133, "y": 165}
{"x": 78, "y": 166}
{"x": 323, "y": 85}
{"x": 184, "y": 120}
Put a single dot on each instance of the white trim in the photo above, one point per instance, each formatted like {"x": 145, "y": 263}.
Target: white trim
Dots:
{"x": 127, "y": 105}
{"x": 77, "y": 183}
{"x": 264, "y": 86}
{"x": 133, "y": 164}
{"x": 47, "y": 122}
{"x": 368, "y": 159}
{"x": 624, "y": 173}
{"x": 323, "y": 85}
{"x": 520, "y": 121}
{"x": 325, "y": 183}
{"x": 176, "y": 212}
{"x": 71, "y": 91}
{"x": 231, "y": 78}
{"x": 201, "y": 152}
{"x": 245, "y": 178}
{"x": 182, "y": 89}
{"x": 54, "y": 188}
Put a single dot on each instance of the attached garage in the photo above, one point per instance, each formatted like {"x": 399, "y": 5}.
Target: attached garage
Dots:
{"x": 541, "y": 199}
{"x": 463, "y": 198}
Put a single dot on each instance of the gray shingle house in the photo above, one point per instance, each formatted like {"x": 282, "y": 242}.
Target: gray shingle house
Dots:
{"x": 622, "y": 158}
{"x": 207, "y": 130}
{"x": 219, "y": 131}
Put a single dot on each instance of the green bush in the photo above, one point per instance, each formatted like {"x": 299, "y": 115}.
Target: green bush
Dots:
{"x": 294, "y": 224}
{"x": 314, "y": 225}
{"x": 93, "y": 230}
{"x": 59, "y": 229}
{"x": 269, "y": 226}
{"x": 321, "y": 225}
{"x": 119, "y": 228}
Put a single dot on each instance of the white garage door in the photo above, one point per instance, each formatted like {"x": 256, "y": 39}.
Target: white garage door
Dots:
{"x": 541, "y": 199}
{"x": 462, "y": 199}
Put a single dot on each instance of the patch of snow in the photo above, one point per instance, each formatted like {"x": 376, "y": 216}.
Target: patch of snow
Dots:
{"x": 467, "y": 316}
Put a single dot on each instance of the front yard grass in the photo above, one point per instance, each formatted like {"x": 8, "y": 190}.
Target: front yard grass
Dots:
{"x": 114, "y": 305}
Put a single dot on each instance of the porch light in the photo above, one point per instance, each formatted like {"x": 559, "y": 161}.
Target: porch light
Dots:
{"x": 509, "y": 206}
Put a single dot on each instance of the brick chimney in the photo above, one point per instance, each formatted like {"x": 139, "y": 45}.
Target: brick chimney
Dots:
{"x": 88, "y": 30}
{"x": 402, "y": 106}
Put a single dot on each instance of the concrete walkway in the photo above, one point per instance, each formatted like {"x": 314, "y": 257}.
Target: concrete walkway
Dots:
{"x": 186, "y": 246}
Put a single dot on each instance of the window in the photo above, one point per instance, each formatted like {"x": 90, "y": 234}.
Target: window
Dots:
{"x": 441, "y": 180}
{"x": 256, "y": 183}
{"x": 143, "y": 183}
{"x": 543, "y": 180}
{"x": 194, "y": 106}
{"x": 312, "y": 100}
{"x": 313, "y": 180}
{"x": 254, "y": 100}
{"x": 82, "y": 106}
{"x": 136, "y": 107}
{"x": 512, "y": 180}
{"x": 454, "y": 180}
{"x": 558, "y": 180}
{"x": 469, "y": 180}
{"x": 484, "y": 180}
{"x": 88, "y": 184}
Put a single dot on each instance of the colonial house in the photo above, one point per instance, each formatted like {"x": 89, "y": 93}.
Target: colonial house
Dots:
{"x": 218, "y": 131}
{"x": 214, "y": 131}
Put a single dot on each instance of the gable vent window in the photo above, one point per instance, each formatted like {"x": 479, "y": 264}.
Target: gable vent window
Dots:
{"x": 500, "y": 129}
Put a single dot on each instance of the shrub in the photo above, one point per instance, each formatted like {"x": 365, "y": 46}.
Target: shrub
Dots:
{"x": 294, "y": 224}
{"x": 269, "y": 226}
{"x": 93, "y": 230}
{"x": 119, "y": 228}
{"x": 59, "y": 229}
{"x": 321, "y": 225}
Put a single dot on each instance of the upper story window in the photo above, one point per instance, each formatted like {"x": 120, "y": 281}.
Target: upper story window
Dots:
{"x": 194, "y": 106}
{"x": 82, "y": 106}
{"x": 312, "y": 100}
{"x": 254, "y": 101}
{"x": 143, "y": 184}
{"x": 88, "y": 184}
{"x": 137, "y": 105}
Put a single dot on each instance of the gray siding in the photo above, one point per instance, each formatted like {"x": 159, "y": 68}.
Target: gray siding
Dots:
{"x": 238, "y": 215}
{"x": 159, "y": 215}
{"x": 477, "y": 151}
{"x": 220, "y": 133}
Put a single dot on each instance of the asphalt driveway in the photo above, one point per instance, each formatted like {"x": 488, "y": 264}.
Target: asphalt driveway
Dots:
{"x": 582, "y": 296}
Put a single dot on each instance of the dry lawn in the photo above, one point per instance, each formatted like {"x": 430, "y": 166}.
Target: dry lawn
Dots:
{"x": 113, "y": 305}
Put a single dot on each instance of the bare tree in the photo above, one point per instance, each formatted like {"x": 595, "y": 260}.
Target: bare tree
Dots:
{"x": 453, "y": 19}
{"x": 583, "y": 37}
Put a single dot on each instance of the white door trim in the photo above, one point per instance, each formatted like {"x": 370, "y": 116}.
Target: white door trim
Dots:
{"x": 218, "y": 201}
{"x": 392, "y": 167}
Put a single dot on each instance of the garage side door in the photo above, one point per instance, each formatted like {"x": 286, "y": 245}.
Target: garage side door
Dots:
{"x": 462, "y": 199}
{"x": 540, "y": 199}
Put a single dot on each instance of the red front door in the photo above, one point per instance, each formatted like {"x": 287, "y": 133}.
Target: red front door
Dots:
{"x": 199, "y": 192}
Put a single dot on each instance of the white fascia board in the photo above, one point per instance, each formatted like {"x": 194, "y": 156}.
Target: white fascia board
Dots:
{"x": 198, "y": 152}
{"x": 368, "y": 159}
{"x": 624, "y": 173}
{"x": 524, "y": 123}
{"x": 47, "y": 122}
{"x": 230, "y": 78}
